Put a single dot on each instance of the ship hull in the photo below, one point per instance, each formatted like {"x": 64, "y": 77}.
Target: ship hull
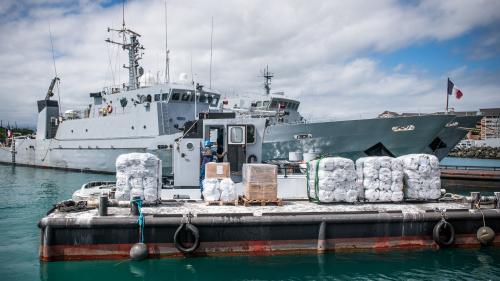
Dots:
{"x": 355, "y": 138}
{"x": 94, "y": 155}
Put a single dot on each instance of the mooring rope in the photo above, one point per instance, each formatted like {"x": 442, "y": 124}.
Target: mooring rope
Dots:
{"x": 140, "y": 220}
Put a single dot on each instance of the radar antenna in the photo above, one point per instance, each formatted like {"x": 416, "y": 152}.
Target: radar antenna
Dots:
{"x": 134, "y": 49}
{"x": 267, "y": 76}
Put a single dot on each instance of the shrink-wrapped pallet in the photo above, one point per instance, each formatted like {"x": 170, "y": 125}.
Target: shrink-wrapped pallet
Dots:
{"x": 380, "y": 178}
{"x": 138, "y": 174}
{"x": 332, "y": 179}
{"x": 422, "y": 176}
{"x": 260, "y": 181}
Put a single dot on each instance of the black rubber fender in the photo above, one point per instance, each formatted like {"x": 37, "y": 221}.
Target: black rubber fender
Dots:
{"x": 196, "y": 234}
{"x": 252, "y": 159}
{"x": 444, "y": 233}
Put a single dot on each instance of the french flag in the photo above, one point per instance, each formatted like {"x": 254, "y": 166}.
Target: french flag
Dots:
{"x": 452, "y": 87}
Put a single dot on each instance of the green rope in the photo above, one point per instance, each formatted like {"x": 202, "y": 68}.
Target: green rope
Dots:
{"x": 316, "y": 180}
{"x": 307, "y": 181}
{"x": 140, "y": 220}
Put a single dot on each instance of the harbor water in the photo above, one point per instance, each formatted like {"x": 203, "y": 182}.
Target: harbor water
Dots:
{"x": 26, "y": 194}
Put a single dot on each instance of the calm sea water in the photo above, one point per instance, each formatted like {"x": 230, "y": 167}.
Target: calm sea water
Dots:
{"x": 27, "y": 193}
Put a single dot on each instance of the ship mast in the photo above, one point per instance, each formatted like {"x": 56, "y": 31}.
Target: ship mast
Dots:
{"x": 268, "y": 76}
{"x": 133, "y": 47}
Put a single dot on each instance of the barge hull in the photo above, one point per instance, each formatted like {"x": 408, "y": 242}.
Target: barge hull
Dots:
{"x": 112, "y": 237}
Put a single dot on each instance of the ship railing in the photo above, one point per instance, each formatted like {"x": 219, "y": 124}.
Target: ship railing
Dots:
{"x": 100, "y": 184}
{"x": 469, "y": 168}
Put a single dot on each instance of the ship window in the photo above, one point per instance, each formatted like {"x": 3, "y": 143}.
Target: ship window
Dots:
{"x": 250, "y": 134}
{"x": 215, "y": 101}
{"x": 175, "y": 96}
{"x": 265, "y": 103}
{"x": 237, "y": 135}
{"x": 203, "y": 98}
{"x": 259, "y": 104}
{"x": 274, "y": 104}
{"x": 186, "y": 96}
{"x": 157, "y": 97}
{"x": 164, "y": 97}
{"x": 148, "y": 98}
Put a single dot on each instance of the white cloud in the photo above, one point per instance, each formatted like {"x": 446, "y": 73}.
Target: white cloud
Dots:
{"x": 319, "y": 50}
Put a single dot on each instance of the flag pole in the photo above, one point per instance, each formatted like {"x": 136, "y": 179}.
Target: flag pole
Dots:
{"x": 447, "y": 97}
{"x": 447, "y": 94}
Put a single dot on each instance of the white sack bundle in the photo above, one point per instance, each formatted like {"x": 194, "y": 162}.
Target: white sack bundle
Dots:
{"x": 380, "y": 178}
{"x": 334, "y": 180}
{"x": 422, "y": 177}
{"x": 227, "y": 190}
{"x": 211, "y": 191}
{"x": 138, "y": 175}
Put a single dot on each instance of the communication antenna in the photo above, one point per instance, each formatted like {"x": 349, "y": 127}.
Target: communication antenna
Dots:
{"x": 267, "y": 76}
{"x": 167, "y": 59}
{"x": 211, "y": 48}
{"x": 134, "y": 49}
{"x": 191, "y": 59}
{"x": 56, "y": 78}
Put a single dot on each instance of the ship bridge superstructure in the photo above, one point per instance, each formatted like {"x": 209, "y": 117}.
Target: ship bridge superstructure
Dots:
{"x": 278, "y": 107}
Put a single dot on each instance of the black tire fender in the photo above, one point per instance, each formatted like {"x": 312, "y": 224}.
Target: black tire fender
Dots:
{"x": 448, "y": 238}
{"x": 252, "y": 159}
{"x": 196, "y": 234}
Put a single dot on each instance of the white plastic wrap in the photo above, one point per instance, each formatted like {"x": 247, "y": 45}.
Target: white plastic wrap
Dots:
{"x": 211, "y": 190}
{"x": 422, "y": 176}
{"x": 380, "y": 178}
{"x": 336, "y": 180}
{"x": 138, "y": 174}
{"x": 227, "y": 190}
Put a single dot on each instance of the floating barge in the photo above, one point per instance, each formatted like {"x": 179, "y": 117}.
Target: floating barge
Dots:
{"x": 295, "y": 227}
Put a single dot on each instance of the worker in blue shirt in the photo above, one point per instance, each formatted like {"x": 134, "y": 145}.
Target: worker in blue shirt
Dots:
{"x": 207, "y": 156}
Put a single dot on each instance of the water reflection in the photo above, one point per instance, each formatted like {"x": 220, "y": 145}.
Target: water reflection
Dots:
{"x": 469, "y": 264}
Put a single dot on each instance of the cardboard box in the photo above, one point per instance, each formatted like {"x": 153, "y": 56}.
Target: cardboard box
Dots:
{"x": 217, "y": 170}
{"x": 260, "y": 181}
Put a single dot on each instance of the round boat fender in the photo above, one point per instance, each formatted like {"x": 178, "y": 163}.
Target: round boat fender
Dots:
{"x": 180, "y": 245}
{"x": 252, "y": 159}
{"x": 444, "y": 233}
{"x": 485, "y": 235}
{"x": 110, "y": 108}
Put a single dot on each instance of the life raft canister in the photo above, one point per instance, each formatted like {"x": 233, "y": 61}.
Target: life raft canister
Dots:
{"x": 193, "y": 230}
{"x": 444, "y": 233}
{"x": 109, "y": 108}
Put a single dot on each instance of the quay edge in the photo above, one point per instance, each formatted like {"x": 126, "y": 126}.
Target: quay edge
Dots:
{"x": 91, "y": 238}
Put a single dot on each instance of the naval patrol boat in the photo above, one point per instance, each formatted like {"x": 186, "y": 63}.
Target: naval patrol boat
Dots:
{"x": 134, "y": 118}
{"x": 150, "y": 118}
{"x": 290, "y": 133}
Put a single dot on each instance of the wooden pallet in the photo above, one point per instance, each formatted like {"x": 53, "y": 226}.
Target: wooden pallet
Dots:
{"x": 251, "y": 202}
{"x": 222, "y": 203}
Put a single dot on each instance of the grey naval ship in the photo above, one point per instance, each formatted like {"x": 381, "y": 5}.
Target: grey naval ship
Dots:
{"x": 394, "y": 135}
{"x": 151, "y": 118}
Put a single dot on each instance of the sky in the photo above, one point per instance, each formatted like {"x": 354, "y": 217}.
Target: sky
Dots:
{"x": 341, "y": 59}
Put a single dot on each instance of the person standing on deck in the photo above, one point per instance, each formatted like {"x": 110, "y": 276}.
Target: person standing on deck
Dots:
{"x": 207, "y": 156}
